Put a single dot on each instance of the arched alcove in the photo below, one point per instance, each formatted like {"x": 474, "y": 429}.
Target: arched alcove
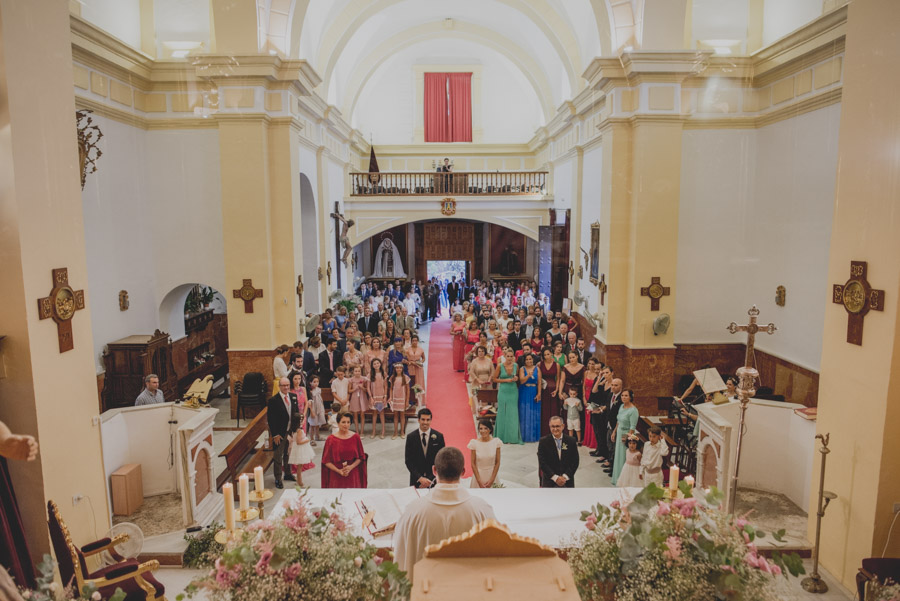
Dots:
{"x": 310, "y": 233}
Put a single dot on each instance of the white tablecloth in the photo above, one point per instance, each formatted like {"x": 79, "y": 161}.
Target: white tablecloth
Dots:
{"x": 552, "y": 516}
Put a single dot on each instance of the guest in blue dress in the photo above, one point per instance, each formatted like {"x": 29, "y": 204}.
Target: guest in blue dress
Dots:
{"x": 396, "y": 355}
{"x": 529, "y": 401}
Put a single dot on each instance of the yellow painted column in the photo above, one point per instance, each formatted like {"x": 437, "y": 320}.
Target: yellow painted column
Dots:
{"x": 615, "y": 231}
{"x": 287, "y": 247}
{"x": 575, "y": 242}
{"x": 45, "y": 393}
{"x": 325, "y": 232}
{"x": 859, "y": 390}
{"x": 653, "y": 237}
{"x": 234, "y": 27}
{"x": 247, "y": 230}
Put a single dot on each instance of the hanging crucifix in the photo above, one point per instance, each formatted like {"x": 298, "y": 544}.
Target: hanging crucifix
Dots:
{"x": 300, "y": 291}
{"x": 602, "y": 286}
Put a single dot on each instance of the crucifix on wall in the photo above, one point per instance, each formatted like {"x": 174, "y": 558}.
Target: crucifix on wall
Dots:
{"x": 655, "y": 291}
{"x": 858, "y": 298}
{"x": 602, "y": 287}
{"x": 61, "y": 306}
{"x": 248, "y": 294}
{"x": 300, "y": 291}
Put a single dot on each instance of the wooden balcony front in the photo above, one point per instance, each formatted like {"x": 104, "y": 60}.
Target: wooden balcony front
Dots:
{"x": 462, "y": 183}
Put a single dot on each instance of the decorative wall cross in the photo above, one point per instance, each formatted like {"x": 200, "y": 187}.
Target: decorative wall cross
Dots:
{"x": 655, "y": 291}
{"x": 61, "y": 306}
{"x": 602, "y": 286}
{"x": 248, "y": 294}
{"x": 571, "y": 271}
{"x": 858, "y": 298}
{"x": 300, "y": 291}
{"x": 328, "y": 273}
{"x": 751, "y": 328}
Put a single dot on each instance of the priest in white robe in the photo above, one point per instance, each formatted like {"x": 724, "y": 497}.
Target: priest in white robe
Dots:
{"x": 447, "y": 511}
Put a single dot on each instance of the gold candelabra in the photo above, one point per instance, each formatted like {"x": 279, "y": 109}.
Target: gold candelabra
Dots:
{"x": 224, "y": 535}
{"x": 814, "y": 583}
{"x": 260, "y": 497}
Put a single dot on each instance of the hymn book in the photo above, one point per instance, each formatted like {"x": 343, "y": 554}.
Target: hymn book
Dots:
{"x": 382, "y": 511}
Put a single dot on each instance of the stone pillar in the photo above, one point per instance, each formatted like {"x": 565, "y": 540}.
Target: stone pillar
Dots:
{"x": 43, "y": 392}
{"x": 859, "y": 390}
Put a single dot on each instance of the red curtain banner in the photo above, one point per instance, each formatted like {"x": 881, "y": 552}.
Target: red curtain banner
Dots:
{"x": 460, "y": 107}
{"x": 437, "y": 124}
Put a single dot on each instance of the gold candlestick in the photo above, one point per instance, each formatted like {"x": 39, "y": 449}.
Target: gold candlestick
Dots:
{"x": 814, "y": 583}
{"x": 225, "y": 536}
{"x": 260, "y": 497}
{"x": 246, "y": 515}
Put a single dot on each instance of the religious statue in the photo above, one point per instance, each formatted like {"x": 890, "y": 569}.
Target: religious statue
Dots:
{"x": 344, "y": 236}
{"x": 387, "y": 261}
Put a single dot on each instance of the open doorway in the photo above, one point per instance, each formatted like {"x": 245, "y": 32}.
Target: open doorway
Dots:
{"x": 446, "y": 270}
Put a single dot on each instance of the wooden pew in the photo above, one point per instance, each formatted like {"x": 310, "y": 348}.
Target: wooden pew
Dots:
{"x": 243, "y": 446}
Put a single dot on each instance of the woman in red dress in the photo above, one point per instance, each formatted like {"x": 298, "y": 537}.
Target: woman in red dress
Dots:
{"x": 551, "y": 405}
{"x": 458, "y": 331}
{"x": 343, "y": 458}
{"x": 590, "y": 376}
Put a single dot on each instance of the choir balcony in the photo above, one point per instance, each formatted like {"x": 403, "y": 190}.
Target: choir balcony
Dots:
{"x": 461, "y": 183}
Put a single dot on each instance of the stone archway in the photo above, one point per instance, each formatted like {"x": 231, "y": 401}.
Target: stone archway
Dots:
{"x": 310, "y": 233}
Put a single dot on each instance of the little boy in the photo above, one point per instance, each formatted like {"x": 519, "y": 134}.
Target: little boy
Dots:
{"x": 573, "y": 406}
{"x": 652, "y": 458}
{"x": 340, "y": 388}
{"x": 332, "y": 416}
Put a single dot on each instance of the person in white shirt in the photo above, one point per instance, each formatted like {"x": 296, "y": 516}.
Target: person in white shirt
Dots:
{"x": 652, "y": 458}
{"x": 446, "y": 511}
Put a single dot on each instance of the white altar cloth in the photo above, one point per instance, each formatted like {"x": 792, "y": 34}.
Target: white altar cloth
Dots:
{"x": 549, "y": 515}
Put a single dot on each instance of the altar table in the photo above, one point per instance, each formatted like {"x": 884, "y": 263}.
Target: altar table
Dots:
{"x": 552, "y": 516}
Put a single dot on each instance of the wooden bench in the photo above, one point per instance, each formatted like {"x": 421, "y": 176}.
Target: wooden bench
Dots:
{"x": 243, "y": 446}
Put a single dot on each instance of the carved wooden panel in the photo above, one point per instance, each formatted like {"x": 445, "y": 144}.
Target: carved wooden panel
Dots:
{"x": 449, "y": 241}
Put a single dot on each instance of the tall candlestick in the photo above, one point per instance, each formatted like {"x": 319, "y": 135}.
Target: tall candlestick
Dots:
{"x": 228, "y": 492}
{"x": 244, "y": 491}
{"x": 258, "y": 477}
{"x": 674, "y": 473}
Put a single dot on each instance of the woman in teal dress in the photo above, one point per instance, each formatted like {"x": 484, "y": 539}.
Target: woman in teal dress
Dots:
{"x": 506, "y": 377}
{"x": 626, "y": 423}
{"x": 529, "y": 401}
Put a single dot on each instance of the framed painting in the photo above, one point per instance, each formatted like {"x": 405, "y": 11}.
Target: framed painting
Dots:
{"x": 594, "y": 270}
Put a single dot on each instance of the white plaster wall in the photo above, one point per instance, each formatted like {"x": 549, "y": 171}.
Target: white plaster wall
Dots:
{"x": 153, "y": 222}
{"x": 721, "y": 20}
{"x": 182, "y": 21}
{"x": 387, "y": 108}
{"x": 120, "y": 18}
{"x": 755, "y": 213}
{"x": 590, "y": 213}
{"x": 117, "y": 236}
{"x": 562, "y": 184}
{"x": 781, "y": 17}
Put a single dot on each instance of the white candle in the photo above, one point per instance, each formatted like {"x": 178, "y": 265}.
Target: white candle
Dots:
{"x": 244, "y": 491}
{"x": 258, "y": 476}
{"x": 674, "y": 473}
{"x": 689, "y": 480}
{"x": 228, "y": 492}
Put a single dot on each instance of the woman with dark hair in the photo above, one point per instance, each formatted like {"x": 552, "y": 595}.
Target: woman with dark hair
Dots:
{"x": 551, "y": 405}
{"x": 485, "y": 455}
{"x": 507, "y": 378}
{"x": 480, "y": 371}
{"x": 537, "y": 340}
{"x": 343, "y": 458}
{"x": 530, "y": 405}
{"x": 626, "y": 423}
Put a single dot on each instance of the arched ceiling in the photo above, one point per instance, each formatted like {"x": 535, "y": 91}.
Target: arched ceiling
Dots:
{"x": 550, "y": 41}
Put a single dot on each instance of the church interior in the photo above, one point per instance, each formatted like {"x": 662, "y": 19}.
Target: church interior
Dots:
{"x": 656, "y": 169}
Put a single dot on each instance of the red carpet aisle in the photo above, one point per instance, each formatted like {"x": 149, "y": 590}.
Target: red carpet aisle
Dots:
{"x": 446, "y": 392}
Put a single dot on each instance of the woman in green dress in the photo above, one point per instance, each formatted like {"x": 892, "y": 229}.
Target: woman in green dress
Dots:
{"x": 626, "y": 423}
{"x": 505, "y": 375}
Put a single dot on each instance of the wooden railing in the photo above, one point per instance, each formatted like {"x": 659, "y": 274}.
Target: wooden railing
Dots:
{"x": 462, "y": 183}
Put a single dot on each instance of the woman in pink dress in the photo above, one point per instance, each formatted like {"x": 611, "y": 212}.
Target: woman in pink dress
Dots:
{"x": 343, "y": 458}
{"x": 378, "y": 392}
{"x": 415, "y": 354}
{"x": 374, "y": 352}
{"x": 359, "y": 398}
{"x": 457, "y": 330}
{"x": 399, "y": 398}
{"x": 298, "y": 389}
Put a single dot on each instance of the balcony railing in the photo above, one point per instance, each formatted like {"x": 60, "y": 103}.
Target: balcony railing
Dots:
{"x": 461, "y": 183}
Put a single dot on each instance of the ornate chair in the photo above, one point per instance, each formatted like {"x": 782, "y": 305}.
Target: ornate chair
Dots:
{"x": 134, "y": 578}
{"x": 876, "y": 569}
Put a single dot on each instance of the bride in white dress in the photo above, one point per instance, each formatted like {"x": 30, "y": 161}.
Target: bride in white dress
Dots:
{"x": 485, "y": 455}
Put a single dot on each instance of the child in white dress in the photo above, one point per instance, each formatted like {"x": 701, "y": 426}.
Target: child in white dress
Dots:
{"x": 302, "y": 454}
{"x": 631, "y": 471}
{"x": 652, "y": 458}
{"x": 573, "y": 419}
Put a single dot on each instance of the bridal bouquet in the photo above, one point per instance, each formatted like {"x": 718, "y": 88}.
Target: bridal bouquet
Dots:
{"x": 654, "y": 549}
{"x": 307, "y": 554}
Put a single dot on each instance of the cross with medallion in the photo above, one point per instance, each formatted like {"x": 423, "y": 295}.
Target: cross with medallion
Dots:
{"x": 248, "y": 294}
{"x": 655, "y": 291}
{"x": 858, "y": 298}
{"x": 61, "y": 306}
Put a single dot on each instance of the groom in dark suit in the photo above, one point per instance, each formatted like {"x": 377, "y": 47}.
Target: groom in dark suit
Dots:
{"x": 421, "y": 448}
{"x": 557, "y": 457}
{"x": 279, "y": 410}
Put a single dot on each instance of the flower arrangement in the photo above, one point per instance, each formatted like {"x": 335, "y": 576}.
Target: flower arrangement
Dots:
{"x": 50, "y": 590}
{"x": 202, "y": 549}
{"x": 654, "y": 549}
{"x": 307, "y": 554}
{"x": 889, "y": 591}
